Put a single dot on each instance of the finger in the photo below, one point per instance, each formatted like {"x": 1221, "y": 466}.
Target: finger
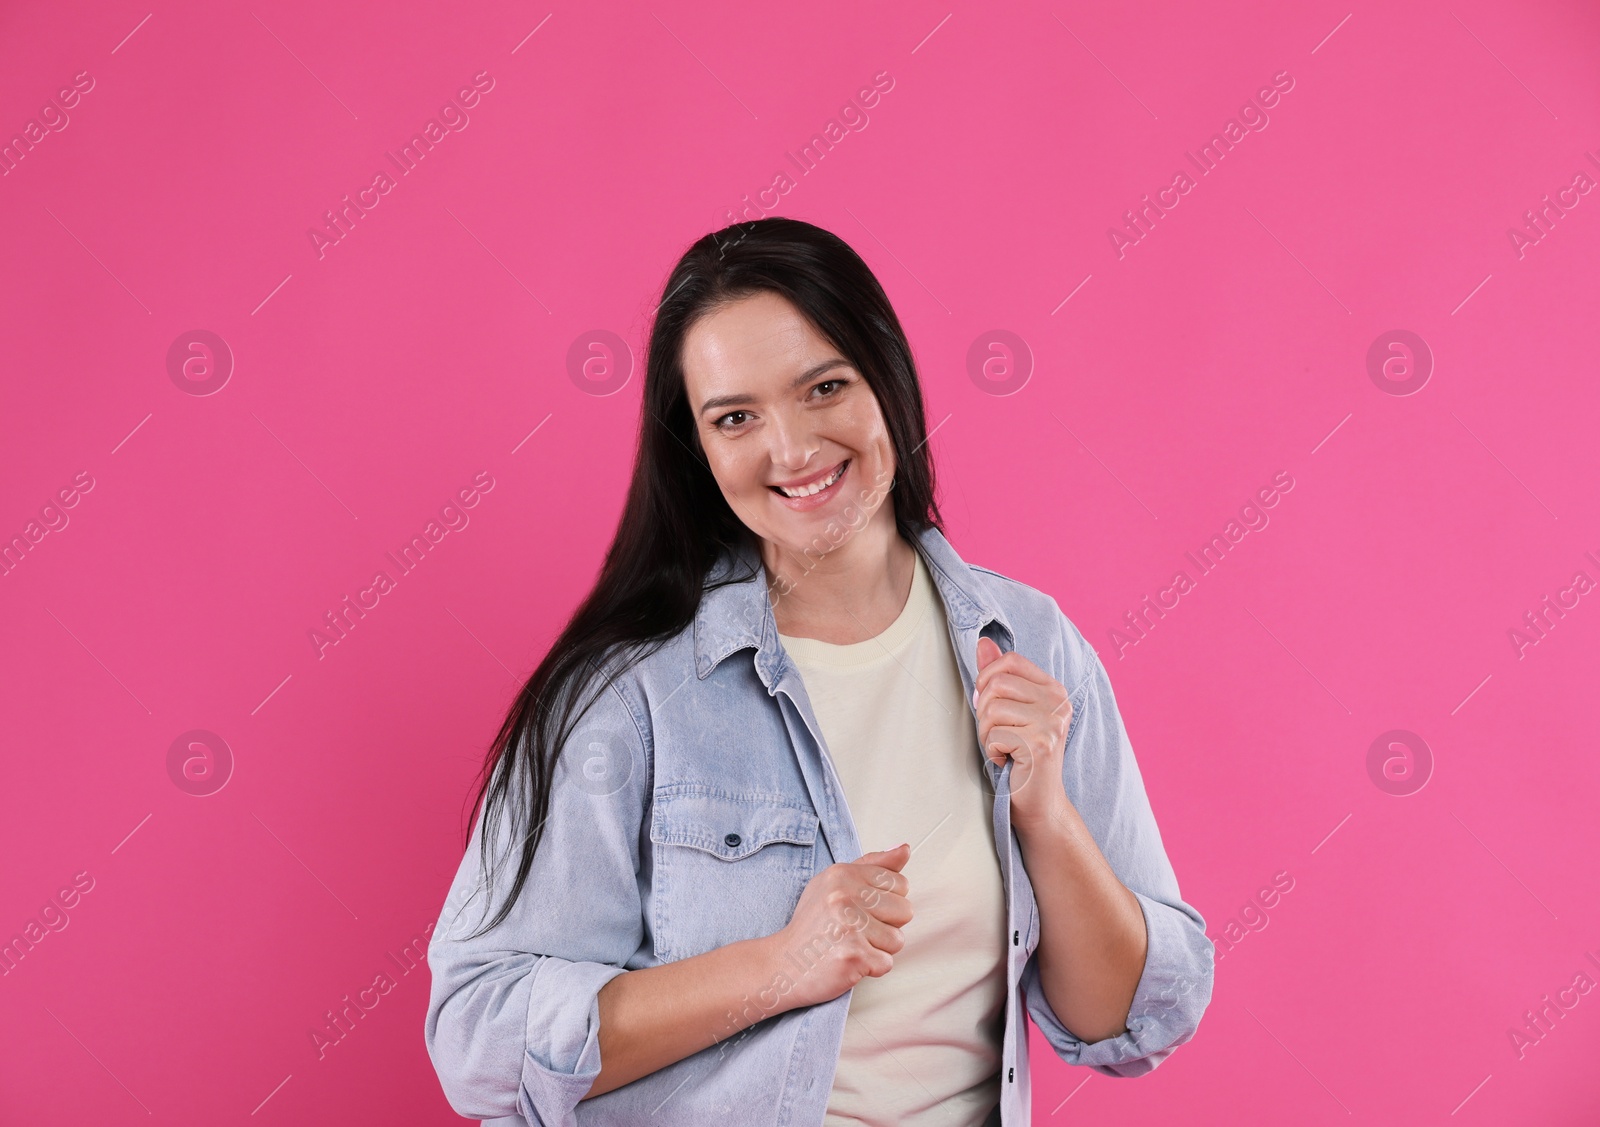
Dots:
{"x": 1013, "y": 663}
{"x": 1013, "y": 686}
{"x": 884, "y": 937}
{"x": 988, "y": 652}
{"x": 891, "y": 909}
{"x": 884, "y": 881}
{"x": 889, "y": 858}
{"x": 1001, "y": 743}
{"x": 1012, "y": 725}
{"x": 876, "y": 963}
{"x": 1001, "y": 712}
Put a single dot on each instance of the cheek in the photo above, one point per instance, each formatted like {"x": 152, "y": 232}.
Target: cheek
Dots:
{"x": 882, "y": 450}
{"x": 736, "y": 469}
{"x": 864, "y": 430}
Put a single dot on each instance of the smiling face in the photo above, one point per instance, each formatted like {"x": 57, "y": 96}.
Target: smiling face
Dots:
{"x": 791, "y": 430}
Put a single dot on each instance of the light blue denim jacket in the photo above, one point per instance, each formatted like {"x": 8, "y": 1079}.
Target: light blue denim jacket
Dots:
{"x": 698, "y": 801}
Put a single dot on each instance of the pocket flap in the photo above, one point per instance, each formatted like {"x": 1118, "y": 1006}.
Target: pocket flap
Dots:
{"x": 728, "y": 826}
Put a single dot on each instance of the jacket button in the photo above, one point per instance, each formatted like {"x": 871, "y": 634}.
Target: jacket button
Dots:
{"x": 1011, "y": 1075}
{"x": 732, "y": 841}
{"x": 1016, "y": 937}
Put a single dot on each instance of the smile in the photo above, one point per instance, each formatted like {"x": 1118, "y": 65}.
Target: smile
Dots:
{"x": 812, "y": 491}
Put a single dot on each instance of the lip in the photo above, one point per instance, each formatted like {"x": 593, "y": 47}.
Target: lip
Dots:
{"x": 803, "y": 481}
{"x": 816, "y": 500}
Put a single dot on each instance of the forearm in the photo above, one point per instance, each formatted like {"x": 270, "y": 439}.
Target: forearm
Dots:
{"x": 657, "y": 1016}
{"x": 1092, "y": 940}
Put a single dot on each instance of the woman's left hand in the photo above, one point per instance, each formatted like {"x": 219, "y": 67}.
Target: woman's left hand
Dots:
{"x": 1024, "y": 714}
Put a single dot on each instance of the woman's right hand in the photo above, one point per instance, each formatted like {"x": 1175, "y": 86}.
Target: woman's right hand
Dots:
{"x": 845, "y": 927}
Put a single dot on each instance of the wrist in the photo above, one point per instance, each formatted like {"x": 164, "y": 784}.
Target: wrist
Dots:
{"x": 1057, "y": 820}
{"x": 765, "y": 953}
{"x": 764, "y": 991}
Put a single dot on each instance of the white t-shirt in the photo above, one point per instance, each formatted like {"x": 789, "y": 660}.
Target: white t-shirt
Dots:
{"x": 922, "y": 1044}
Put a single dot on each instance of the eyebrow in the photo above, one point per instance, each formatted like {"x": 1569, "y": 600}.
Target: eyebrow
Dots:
{"x": 799, "y": 381}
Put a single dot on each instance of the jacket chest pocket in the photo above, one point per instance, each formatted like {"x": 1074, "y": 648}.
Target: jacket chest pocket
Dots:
{"x": 727, "y": 866}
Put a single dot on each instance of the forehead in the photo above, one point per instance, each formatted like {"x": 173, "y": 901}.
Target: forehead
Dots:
{"x": 754, "y": 344}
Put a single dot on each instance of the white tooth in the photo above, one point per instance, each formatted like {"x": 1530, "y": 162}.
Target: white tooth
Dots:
{"x": 809, "y": 490}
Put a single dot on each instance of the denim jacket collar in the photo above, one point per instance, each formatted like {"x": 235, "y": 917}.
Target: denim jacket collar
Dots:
{"x": 737, "y": 613}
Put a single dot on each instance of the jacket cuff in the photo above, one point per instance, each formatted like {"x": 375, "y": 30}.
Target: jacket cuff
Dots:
{"x": 1173, "y": 992}
{"x": 563, "y": 1054}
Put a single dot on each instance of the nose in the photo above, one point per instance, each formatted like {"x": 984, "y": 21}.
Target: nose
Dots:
{"x": 793, "y": 442}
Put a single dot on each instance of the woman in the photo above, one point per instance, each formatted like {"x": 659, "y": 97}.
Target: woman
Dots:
{"x": 783, "y": 662}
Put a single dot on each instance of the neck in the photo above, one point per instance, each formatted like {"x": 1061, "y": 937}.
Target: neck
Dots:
{"x": 850, "y": 594}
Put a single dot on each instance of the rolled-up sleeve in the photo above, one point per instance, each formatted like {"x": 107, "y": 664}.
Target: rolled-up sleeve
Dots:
{"x": 1103, "y": 781}
{"x": 513, "y": 1014}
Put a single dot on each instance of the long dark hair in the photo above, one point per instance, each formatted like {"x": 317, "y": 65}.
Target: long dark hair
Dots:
{"x": 676, "y": 523}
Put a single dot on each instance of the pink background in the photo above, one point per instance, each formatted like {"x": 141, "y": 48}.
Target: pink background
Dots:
{"x": 1165, "y": 387}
